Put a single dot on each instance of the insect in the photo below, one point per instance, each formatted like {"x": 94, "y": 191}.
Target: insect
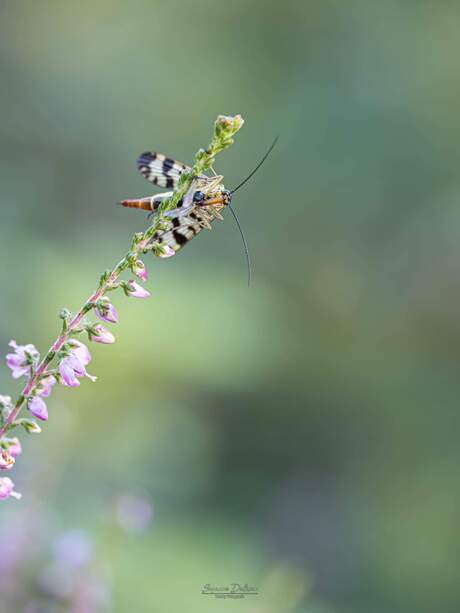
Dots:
{"x": 200, "y": 206}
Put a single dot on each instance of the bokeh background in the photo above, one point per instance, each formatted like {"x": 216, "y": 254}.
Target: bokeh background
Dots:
{"x": 302, "y": 436}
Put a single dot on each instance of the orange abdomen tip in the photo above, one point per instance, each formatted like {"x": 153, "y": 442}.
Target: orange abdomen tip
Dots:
{"x": 145, "y": 203}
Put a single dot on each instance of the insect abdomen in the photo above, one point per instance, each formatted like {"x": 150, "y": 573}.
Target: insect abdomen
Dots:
{"x": 146, "y": 204}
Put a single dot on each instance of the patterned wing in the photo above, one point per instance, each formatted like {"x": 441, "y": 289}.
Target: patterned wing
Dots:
{"x": 181, "y": 230}
{"x": 160, "y": 170}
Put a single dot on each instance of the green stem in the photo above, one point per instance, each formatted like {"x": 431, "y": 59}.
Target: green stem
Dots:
{"x": 224, "y": 129}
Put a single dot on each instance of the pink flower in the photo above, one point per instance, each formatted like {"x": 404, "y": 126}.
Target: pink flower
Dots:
{"x": 70, "y": 368}
{"x": 6, "y": 460}
{"x": 135, "y": 290}
{"x": 166, "y": 252}
{"x": 73, "y": 549}
{"x": 14, "y": 447}
{"x": 45, "y": 386}
{"x": 106, "y": 311}
{"x": 73, "y": 365}
{"x": 21, "y": 360}
{"x": 101, "y": 335}
{"x": 80, "y": 351}
{"x": 134, "y": 513}
{"x": 140, "y": 270}
{"x": 7, "y": 489}
{"x": 37, "y": 406}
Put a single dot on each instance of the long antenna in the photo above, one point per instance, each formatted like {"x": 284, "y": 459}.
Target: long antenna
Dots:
{"x": 246, "y": 249}
{"x": 257, "y": 167}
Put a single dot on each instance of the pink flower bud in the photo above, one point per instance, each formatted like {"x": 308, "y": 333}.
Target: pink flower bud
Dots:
{"x": 45, "y": 386}
{"x": 167, "y": 252}
{"x": 102, "y": 335}
{"x": 107, "y": 312}
{"x": 136, "y": 291}
{"x": 14, "y": 447}
{"x": 140, "y": 270}
{"x": 6, "y": 460}
{"x": 37, "y": 406}
{"x": 7, "y": 489}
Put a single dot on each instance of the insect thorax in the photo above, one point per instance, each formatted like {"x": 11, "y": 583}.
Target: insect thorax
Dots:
{"x": 212, "y": 192}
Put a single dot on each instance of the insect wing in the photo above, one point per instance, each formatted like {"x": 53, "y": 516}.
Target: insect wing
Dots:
{"x": 179, "y": 233}
{"x": 185, "y": 204}
{"x": 160, "y": 170}
{"x": 182, "y": 229}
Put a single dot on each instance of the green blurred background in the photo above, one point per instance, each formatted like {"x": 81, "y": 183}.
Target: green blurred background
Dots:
{"x": 300, "y": 436}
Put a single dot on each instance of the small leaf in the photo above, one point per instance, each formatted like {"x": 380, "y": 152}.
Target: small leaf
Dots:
{"x": 104, "y": 278}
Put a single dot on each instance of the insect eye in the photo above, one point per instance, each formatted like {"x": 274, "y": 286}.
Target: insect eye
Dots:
{"x": 198, "y": 197}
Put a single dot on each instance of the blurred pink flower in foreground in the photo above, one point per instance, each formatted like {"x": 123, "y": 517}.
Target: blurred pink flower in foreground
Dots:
{"x": 73, "y": 548}
{"x": 7, "y": 489}
{"x": 20, "y": 362}
{"x": 134, "y": 513}
{"x": 71, "y": 578}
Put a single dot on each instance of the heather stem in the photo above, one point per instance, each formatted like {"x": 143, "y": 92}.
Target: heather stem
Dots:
{"x": 224, "y": 130}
